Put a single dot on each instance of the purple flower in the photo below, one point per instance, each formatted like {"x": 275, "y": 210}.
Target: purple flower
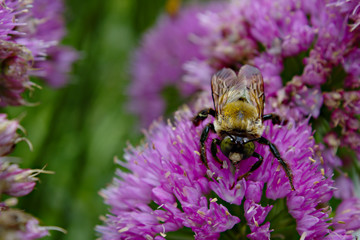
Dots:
{"x": 349, "y": 8}
{"x": 167, "y": 186}
{"x": 57, "y": 66}
{"x": 15, "y": 181}
{"x": 16, "y": 224}
{"x": 15, "y": 63}
{"x": 157, "y": 64}
{"x": 30, "y": 34}
{"x": 309, "y": 57}
{"x": 8, "y": 135}
{"x": 348, "y": 215}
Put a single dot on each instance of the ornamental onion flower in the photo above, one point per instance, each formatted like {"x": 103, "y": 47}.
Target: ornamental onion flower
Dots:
{"x": 168, "y": 188}
{"x": 157, "y": 64}
{"x": 18, "y": 225}
{"x": 29, "y": 37}
{"x": 16, "y": 182}
{"x": 307, "y": 52}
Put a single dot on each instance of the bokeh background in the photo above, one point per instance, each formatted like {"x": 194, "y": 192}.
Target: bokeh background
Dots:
{"x": 77, "y": 130}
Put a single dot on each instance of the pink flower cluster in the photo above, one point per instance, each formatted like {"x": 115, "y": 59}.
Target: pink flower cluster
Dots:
{"x": 15, "y": 182}
{"x": 29, "y": 46}
{"x": 308, "y": 54}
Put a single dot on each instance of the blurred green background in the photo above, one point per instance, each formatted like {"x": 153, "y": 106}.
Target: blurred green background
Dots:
{"x": 77, "y": 130}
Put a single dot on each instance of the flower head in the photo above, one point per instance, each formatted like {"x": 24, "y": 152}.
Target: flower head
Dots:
{"x": 168, "y": 187}
{"x": 29, "y": 36}
{"x": 158, "y": 61}
{"x": 17, "y": 225}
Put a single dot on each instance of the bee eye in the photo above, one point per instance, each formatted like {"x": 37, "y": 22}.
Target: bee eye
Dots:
{"x": 227, "y": 145}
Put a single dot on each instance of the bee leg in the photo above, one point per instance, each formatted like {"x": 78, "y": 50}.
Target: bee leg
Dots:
{"x": 202, "y": 115}
{"x": 276, "y": 154}
{"x": 203, "y": 137}
{"x": 253, "y": 167}
{"x": 214, "y": 149}
{"x": 275, "y": 119}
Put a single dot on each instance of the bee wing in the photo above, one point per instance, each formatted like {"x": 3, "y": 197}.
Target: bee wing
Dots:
{"x": 225, "y": 87}
{"x": 251, "y": 77}
{"x": 247, "y": 85}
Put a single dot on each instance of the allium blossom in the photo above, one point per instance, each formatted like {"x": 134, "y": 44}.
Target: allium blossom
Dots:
{"x": 158, "y": 62}
{"x": 30, "y": 34}
{"x": 15, "y": 182}
{"x": 18, "y": 225}
{"x": 168, "y": 187}
{"x": 308, "y": 54}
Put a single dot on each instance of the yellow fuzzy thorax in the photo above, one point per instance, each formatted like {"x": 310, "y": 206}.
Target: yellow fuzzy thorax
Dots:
{"x": 241, "y": 116}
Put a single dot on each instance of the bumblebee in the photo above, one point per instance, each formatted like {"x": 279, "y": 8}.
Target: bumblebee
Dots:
{"x": 239, "y": 116}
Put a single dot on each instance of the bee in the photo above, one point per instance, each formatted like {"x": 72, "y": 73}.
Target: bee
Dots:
{"x": 239, "y": 116}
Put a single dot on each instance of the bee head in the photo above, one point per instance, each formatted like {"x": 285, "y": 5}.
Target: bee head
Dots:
{"x": 236, "y": 148}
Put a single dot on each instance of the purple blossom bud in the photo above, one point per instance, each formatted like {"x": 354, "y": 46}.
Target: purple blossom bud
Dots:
{"x": 255, "y": 214}
{"x": 14, "y": 77}
{"x": 8, "y": 135}
{"x": 16, "y": 182}
{"x": 352, "y": 102}
{"x": 16, "y": 224}
{"x": 332, "y": 100}
{"x": 262, "y": 232}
